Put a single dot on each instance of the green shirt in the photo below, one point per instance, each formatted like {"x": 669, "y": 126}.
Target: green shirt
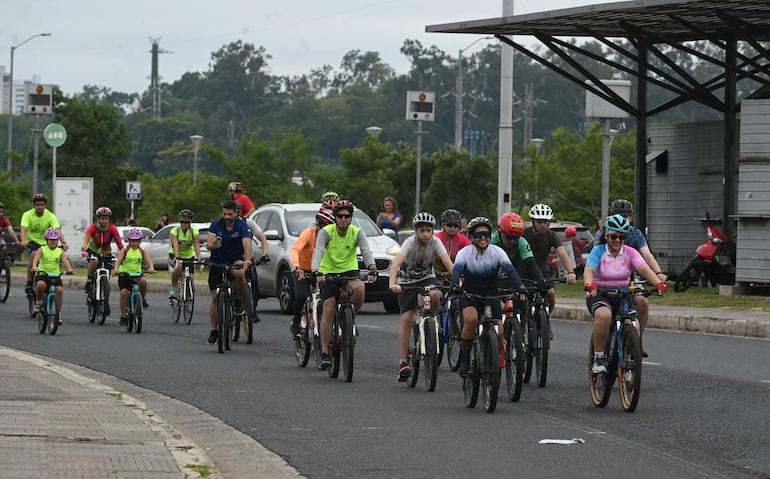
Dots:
{"x": 517, "y": 253}
{"x": 132, "y": 262}
{"x": 36, "y": 225}
{"x": 50, "y": 260}
{"x": 340, "y": 254}
{"x": 185, "y": 238}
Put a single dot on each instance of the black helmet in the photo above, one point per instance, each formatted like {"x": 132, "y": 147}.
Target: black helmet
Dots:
{"x": 451, "y": 216}
{"x": 622, "y": 207}
{"x": 185, "y": 213}
{"x": 479, "y": 221}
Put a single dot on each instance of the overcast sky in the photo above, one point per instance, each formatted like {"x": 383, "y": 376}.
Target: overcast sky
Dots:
{"x": 107, "y": 43}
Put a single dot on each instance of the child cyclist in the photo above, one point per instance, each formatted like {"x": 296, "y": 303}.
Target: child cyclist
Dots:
{"x": 129, "y": 263}
{"x": 413, "y": 266}
{"x": 46, "y": 262}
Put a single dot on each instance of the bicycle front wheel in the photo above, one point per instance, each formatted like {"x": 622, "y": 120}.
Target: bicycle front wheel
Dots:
{"x": 630, "y": 369}
{"x": 302, "y": 340}
{"x": 490, "y": 369}
{"x": 188, "y": 301}
{"x": 530, "y": 340}
{"x": 453, "y": 342}
{"x": 348, "y": 343}
{"x": 138, "y": 314}
{"x": 248, "y": 315}
{"x": 42, "y": 320}
{"x": 471, "y": 381}
{"x": 599, "y": 385}
{"x": 413, "y": 356}
{"x": 101, "y": 310}
{"x": 31, "y": 304}
{"x": 430, "y": 360}
{"x": 514, "y": 359}
{"x": 221, "y": 320}
{"x": 53, "y": 314}
{"x": 335, "y": 345}
{"x": 5, "y": 281}
{"x": 93, "y": 310}
{"x": 543, "y": 343}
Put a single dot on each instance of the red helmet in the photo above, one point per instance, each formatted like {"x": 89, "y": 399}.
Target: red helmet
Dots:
{"x": 343, "y": 205}
{"x": 570, "y": 231}
{"x": 324, "y": 216}
{"x": 511, "y": 224}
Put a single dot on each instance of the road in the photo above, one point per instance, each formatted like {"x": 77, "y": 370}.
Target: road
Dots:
{"x": 704, "y": 408}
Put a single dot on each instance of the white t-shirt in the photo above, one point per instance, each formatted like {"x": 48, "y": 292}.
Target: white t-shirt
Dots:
{"x": 418, "y": 262}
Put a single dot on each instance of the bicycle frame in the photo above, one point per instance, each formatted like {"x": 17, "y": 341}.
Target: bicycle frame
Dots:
{"x": 49, "y": 310}
{"x": 226, "y": 308}
{"x": 103, "y": 270}
{"x": 134, "y": 307}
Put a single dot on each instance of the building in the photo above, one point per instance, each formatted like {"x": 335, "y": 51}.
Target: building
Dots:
{"x": 18, "y": 91}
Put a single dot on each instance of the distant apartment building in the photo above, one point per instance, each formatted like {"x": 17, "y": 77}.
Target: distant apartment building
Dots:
{"x": 12, "y": 97}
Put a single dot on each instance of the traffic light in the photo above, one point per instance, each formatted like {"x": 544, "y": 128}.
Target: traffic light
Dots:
{"x": 38, "y": 99}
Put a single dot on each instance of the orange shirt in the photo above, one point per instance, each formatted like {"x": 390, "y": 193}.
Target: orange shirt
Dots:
{"x": 302, "y": 251}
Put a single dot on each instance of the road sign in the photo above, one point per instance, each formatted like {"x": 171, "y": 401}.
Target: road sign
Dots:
{"x": 133, "y": 190}
{"x": 55, "y": 135}
{"x": 420, "y": 105}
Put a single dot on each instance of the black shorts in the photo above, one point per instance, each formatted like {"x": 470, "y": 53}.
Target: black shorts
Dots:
{"x": 124, "y": 281}
{"x": 331, "y": 289}
{"x": 407, "y": 300}
{"x": 602, "y": 300}
{"x": 479, "y": 304}
{"x": 32, "y": 246}
{"x": 49, "y": 280}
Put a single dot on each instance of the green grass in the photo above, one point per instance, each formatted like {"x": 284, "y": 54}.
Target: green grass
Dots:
{"x": 693, "y": 297}
{"x": 202, "y": 469}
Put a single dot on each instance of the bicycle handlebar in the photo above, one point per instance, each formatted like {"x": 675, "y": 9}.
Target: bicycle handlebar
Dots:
{"x": 630, "y": 291}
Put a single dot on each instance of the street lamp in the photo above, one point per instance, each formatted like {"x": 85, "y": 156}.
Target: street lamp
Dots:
{"x": 374, "y": 131}
{"x": 459, "y": 94}
{"x": 10, "y": 95}
{"x": 196, "y": 141}
{"x": 538, "y": 142}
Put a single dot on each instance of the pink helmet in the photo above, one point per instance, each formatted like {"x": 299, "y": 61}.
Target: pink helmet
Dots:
{"x": 134, "y": 234}
{"x": 52, "y": 234}
{"x": 570, "y": 231}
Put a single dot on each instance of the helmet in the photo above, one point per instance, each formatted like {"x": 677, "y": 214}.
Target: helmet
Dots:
{"x": 617, "y": 223}
{"x": 330, "y": 195}
{"x": 541, "y": 212}
{"x": 325, "y": 216}
{"x": 39, "y": 197}
{"x": 134, "y": 234}
{"x": 511, "y": 224}
{"x": 235, "y": 186}
{"x": 479, "y": 221}
{"x": 343, "y": 205}
{"x": 622, "y": 207}
{"x": 424, "y": 218}
{"x": 570, "y": 231}
{"x": 2, "y": 206}
{"x": 52, "y": 233}
{"x": 186, "y": 214}
{"x": 451, "y": 216}
{"x": 103, "y": 211}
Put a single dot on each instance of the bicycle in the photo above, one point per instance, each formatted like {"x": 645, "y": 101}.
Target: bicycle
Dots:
{"x": 623, "y": 352}
{"x": 49, "y": 314}
{"x": 424, "y": 338}
{"x": 485, "y": 356}
{"x": 514, "y": 349}
{"x": 449, "y": 331}
{"x": 251, "y": 297}
{"x": 98, "y": 296}
{"x": 227, "y": 324}
{"x": 135, "y": 307}
{"x": 537, "y": 340}
{"x": 183, "y": 304}
{"x": 5, "y": 273}
{"x": 308, "y": 341}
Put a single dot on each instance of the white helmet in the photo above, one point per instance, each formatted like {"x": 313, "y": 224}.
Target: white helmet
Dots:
{"x": 424, "y": 218}
{"x": 541, "y": 212}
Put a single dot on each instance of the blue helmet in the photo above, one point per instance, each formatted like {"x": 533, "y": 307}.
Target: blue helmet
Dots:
{"x": 617, "y": 223}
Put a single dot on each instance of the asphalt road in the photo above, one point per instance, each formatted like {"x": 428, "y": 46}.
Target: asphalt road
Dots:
{"x": 703, "y": 412}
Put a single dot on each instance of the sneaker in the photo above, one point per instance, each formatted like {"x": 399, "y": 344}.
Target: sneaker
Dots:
{"x": 59, "y": 322}
{"x": 145, "y": 304}
{"x": 123, "y": 321}
{"x": 464, "y": 369}
{"x": 213, "y": 336}
{"x": 644, "y": 354}
{"x": 325, "y": 361}
{"x": 28, "y": 289}
{"x": 172, "y": 293}
{"x": 599, "y": 366}
{"x": 106, "y": 309}
{"x": 36, "y": 308}
{"x": 239, "y": 308}
{"x": 404, "y": 371}
{"x": 294, "y": 327}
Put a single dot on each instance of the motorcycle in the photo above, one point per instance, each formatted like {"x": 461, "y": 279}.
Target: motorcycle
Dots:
{"x": 714, "y": 259}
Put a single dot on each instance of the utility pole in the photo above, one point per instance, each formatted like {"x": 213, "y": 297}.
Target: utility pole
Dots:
{"x": 155, "y": 76}
{"x": 505, "y": 154}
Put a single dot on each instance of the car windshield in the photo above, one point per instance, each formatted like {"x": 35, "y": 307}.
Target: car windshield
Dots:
{"x": 297, "y": 221}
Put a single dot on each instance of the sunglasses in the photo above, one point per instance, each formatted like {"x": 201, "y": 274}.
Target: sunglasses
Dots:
{"x": 615, "y": 237}
{"x": 451, "y": 225}
{"x": 482, "y": 235}
{"x": 343, "y": 217}
{"x": 511, "y": 237}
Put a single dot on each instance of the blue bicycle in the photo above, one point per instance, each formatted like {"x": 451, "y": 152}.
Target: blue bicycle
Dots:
{"x": 134, "y": 307}
{"x": 450, "y": 327}
{"x": 48, "y": 316}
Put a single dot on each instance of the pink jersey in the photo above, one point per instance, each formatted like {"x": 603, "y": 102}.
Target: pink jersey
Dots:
{"x": 100, "y": 240}
{"x": 453, "y": 245}
{"x": 613, "y": 271}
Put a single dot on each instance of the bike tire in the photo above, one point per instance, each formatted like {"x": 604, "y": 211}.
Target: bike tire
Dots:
{"x": 104, "y": 284}
{"x": 31, "y": 303}
{"x": 471, "y": 381}
{"x": 690, "y": 275}
{"x": 514, "y": 359}
{"x": 42, "y": 320}
{"x": 302, "y": 341}
{"x": 246, "y": 320}
{"x": 138, "y": 314}
{"x": 92, "y": 309}
{"x": 630, "y": 373}
{"x": 430, "y": 360}
{"x": 5, "y": 281}
{"x": 599, "y": 385}
{"x": 221, "y": 320}
{"x": 53, "y": 316}
{"x": 542, "y": 346}
{"x": 413, "y": 356}
{"x": 348, "y": 344}
{"x": 334, "y": 348}
{"x": 453, "y": 343}
{"x": 235, "y": 329}
{"x": 443, "y": 333}
{"x": 188, "y": 301}
{"x": 530, "y": 340}
{"x": 490, "y": 369}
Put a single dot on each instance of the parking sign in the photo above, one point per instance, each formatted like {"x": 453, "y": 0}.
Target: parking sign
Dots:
{"x": 133, "y": 190}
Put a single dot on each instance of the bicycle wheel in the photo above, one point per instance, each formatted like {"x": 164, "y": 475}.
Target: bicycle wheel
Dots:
{"x": 630, "y": 370}
{"x": 137, "y": 316}
{"x": 104, "y": 284}
{"x": 348, "y": 343}
{"x": 302, "y": 341}
{"x": 131, "y": 312}
{"x": 53, "y": 314}
{"x": 443, "y": 333}
{"x": 413, "y": 356}
{"x": 430, "y": 360}
{"x": 599, "y": 385}
{"x": 541, "y": 346}
{"x": 248, "y": 325}
{"x": 42, "y": 320}
{"x": 471, "y": 381}
{"x": 334, "y": 347}
{"x": 490, "y": 369}
{"x": 31, "y": 304}
{"x": 92, "y": 309}
{"x": 453, "y": 343}
{"x": 222, "y": 309}
{"x": 514, "y": 359}
{"x": 690, "y": 275}
{"x": 235, "y": 329}
{"x": 188, "y": 301}
{"x": 5, "y": 281}
{"x": 530, "y": 340}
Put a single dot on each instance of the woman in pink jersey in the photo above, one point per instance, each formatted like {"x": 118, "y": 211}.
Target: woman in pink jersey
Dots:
{"x": 98, "y": 239}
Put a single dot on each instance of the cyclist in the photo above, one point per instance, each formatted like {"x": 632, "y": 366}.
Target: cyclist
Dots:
{"x": 49, "y": 259}
{"x": 335, "y": 252}
{"x": 301, "y": 255}
{"x": 578, "y": 243}
{"x": 129, "y": 263}
{"x": 6, "y": 228}
{"x": 34, "y": 223}
{"x": 235, "y": 192}
{"x": 478, "y": 266}
{"x": 449, "y": 237}
{"x": 610, "y": 265}
{"x": 229, "y": 241}
{"x": 541, "y": 239}
{"x": 97, "y": 241}
{"x": 635, "y": 239}
{"x": 508, "y": 236}
{"x": 413, "y": 266}
{"x": 185, "y": 246}
{"x": 332, "y": 196}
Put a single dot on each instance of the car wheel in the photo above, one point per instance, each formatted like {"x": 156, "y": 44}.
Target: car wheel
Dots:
{"x": 391, "y": 305}
{"x": 286, "y": 292}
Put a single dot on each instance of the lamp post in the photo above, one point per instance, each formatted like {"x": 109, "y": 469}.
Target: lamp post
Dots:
{"x": 374, "y": 131}
{"x": 196, "y": 141}
{"x": 459, "y": 94}
{"x": 608, "y": 135}
{"x": 538, "y": 142}
{"x": 10, "y": 95}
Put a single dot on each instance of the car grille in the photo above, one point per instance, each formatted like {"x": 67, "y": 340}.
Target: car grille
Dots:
{"x": 382, "y": 264}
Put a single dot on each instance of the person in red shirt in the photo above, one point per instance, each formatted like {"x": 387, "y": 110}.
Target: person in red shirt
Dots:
{"x": 578, "y": 243}
{"x": 450, "y": 235}
{"x": 98, "y": 239}
{"x": 235, "y": 191}
{"x": 6, "y": 230}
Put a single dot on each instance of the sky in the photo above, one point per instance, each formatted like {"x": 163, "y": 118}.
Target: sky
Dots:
{"x": 107, "y": 43}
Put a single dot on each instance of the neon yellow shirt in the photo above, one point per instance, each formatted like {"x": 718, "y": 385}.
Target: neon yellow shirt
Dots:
{"x": 50, "y": 260}
{"x": 132, "y": 261}
{"x": 340, "y": 253}
{"x": 186, "y": 249}
{"x": 36, "y": 225}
